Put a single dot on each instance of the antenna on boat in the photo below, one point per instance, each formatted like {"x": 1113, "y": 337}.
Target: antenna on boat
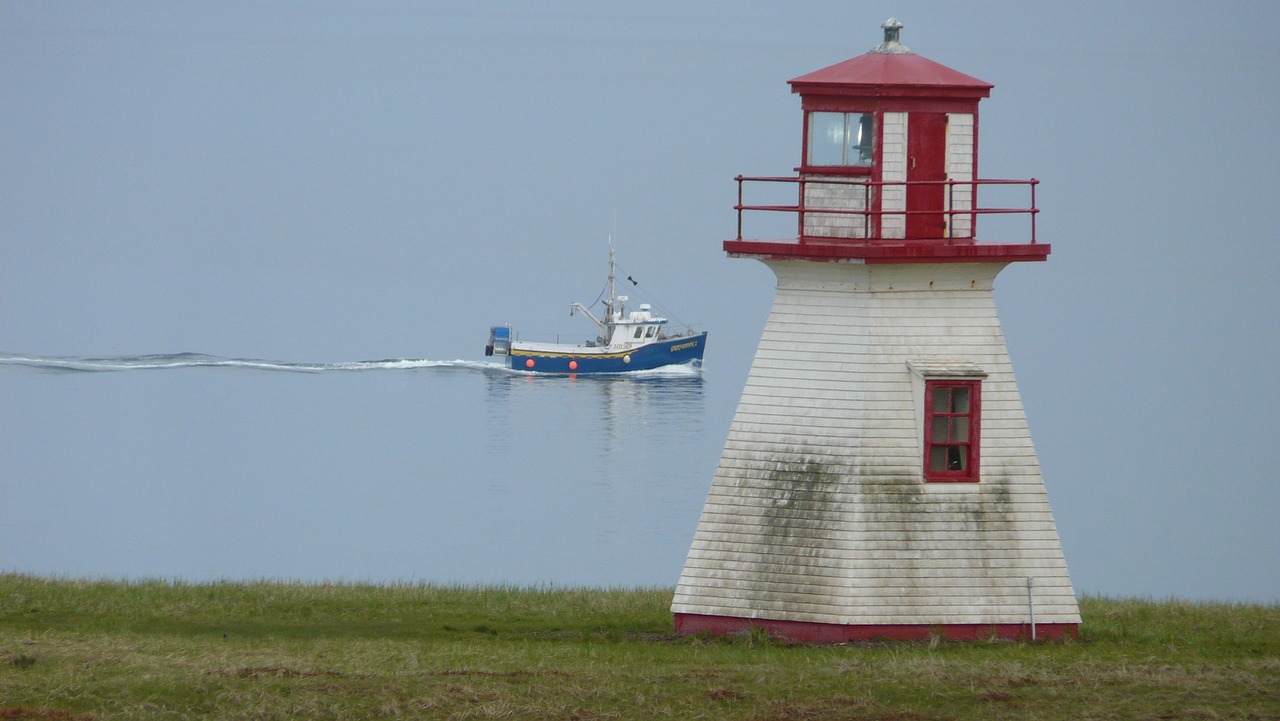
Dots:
{"x": 609, "y": 315}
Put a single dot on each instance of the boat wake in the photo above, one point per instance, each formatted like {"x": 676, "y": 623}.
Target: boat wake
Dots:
{"x": 175, "y": 361}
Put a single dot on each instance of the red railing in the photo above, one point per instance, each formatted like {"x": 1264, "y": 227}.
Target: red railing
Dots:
{"x": 871, "y": 215}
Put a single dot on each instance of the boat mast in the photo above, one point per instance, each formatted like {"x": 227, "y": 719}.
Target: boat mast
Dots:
{"x": 610, "y": 317}
{"x": 612, "y": 313}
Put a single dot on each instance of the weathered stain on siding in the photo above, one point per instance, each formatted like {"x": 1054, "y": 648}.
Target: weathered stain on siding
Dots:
{"x": 818, "y": 510}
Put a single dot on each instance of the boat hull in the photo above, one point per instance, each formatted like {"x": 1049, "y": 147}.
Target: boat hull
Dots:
{"x": 548, "y": 358}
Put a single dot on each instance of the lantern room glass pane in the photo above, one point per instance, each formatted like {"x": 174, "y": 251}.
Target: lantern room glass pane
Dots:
{"x": 840, "y": 139}
{"x": 826, "y": 138}
{"x": 861, "y": 140}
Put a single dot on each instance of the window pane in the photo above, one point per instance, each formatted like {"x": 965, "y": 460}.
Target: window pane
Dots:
{"x": 960, "y": 429}
{"x": 959, "y": 400}
{"x": 939, "y": 431}
{"x": 840, "y": 138}
{"x": 826, "y": 138}
{"x": 937, "y": 458}
{"x": 861, "y": 127}
{"x": 941, "y": 399}
{"x": 956, "y": 458}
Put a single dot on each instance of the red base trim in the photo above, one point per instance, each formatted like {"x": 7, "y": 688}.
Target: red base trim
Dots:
{"x": 914, "y": 253}
{"x": 688, "y": 624}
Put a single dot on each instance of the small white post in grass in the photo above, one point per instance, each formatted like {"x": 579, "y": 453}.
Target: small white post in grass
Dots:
{"x": 1031, "y": 608}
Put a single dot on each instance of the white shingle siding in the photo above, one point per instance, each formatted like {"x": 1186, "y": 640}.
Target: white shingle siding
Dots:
{"x": 842, "y": 196}
{"x": 893, "y": 169}
{"x": 818, "y": 510}
{"x": 960, "y": 167}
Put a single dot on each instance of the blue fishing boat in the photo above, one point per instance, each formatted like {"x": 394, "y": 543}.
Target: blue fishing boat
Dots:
{"x": 627, "y": 341}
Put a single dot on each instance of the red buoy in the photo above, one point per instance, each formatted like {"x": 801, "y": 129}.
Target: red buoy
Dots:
{"x": 528, "y": 363}
{"x": 573, "y": 365}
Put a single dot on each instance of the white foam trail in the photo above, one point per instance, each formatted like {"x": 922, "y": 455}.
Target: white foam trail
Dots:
{"x": 178, "y": 361}
{"x": 198, "y": 360}
{"x": 682, "y": 370}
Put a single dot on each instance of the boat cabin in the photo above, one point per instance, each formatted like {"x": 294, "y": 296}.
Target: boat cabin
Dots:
{"x": 639, "y": 326}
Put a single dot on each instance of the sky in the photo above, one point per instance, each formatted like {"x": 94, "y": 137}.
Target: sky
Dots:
{"x": 322, "y": 181}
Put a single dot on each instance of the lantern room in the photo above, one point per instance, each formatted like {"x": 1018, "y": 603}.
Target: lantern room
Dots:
{"x": 889, "y": 158}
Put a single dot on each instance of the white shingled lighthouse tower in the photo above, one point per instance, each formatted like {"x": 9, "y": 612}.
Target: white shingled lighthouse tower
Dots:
{"x": 879, "y": 479}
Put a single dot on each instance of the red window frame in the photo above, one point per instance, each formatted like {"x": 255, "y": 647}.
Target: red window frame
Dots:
{"x": 952, "y": 425}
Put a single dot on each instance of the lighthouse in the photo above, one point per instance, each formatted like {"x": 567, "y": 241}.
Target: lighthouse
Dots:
{"x": 879, "y": 479}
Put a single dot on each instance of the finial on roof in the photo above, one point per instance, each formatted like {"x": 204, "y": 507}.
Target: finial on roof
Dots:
{"x": 891, "y": 46}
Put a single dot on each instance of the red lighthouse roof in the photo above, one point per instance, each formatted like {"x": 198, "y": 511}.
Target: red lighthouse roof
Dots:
{"x": 890, "y": 68}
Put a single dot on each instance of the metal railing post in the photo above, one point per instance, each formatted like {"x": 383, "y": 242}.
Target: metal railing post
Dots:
{"x": 800, "y": 208}
{"x": 973, "y": 209}
{"x": 1034, "y": 210}
{"x": 739, "y": 206}
{"x": 951, "y": 209}
{"x": 866, "y": 209}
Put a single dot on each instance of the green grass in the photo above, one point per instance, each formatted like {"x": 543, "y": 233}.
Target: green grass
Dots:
{"x": 156, "y": 650}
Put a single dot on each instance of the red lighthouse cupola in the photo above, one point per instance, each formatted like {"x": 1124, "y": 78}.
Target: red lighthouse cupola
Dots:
{"x": 889, "y": 164}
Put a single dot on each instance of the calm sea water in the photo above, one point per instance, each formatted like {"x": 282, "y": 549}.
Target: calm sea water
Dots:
{"x": 202, "y": 468}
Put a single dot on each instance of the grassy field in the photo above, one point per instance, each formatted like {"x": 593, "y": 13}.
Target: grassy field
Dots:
{"x": 154, "y": 650}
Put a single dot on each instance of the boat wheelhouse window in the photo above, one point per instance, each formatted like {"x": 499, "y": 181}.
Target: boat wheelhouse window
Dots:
{"x": 639, "y": 330}
{"x": 839, "y": 139}
{"x": 652, "y": 329}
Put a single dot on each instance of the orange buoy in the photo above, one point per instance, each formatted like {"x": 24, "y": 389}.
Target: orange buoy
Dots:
{"x": 528, "y": 363}
{"x": 573, "y": 365}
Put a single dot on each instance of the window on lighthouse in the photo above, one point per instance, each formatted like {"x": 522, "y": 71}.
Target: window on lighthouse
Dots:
{"x": 952, "y": 416}
{"x": 840, "y": 139}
